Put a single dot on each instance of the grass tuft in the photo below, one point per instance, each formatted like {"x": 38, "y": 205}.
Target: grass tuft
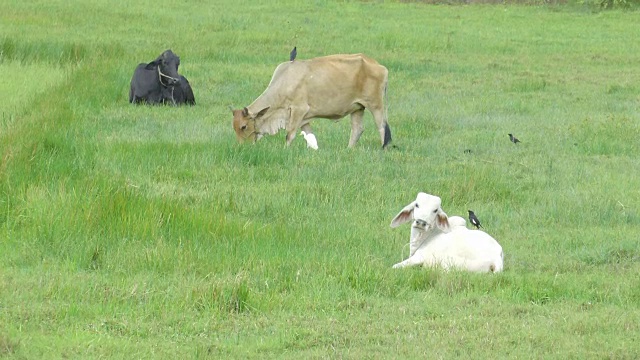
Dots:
{"x": 230, "y": 296}
{"x": 54, "y": 53}
{"x": 8, "y": 347}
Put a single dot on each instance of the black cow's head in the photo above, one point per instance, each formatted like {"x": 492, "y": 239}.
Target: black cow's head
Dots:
{"x": 167, "y": 67}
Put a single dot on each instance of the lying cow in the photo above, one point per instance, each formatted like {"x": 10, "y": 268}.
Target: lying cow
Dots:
{"x": 439, "y": 240}
{"x": 329, "y": 87}
{"x": 158, "y": 82}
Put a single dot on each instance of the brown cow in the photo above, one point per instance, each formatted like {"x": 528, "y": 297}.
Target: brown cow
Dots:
{"x": 329, "y": 87}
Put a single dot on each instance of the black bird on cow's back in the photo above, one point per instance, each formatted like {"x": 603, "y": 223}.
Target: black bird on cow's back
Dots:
{"x": 474, "y": 220}
{"x": 292, "y": 55}
{"x": 513, "y": 139}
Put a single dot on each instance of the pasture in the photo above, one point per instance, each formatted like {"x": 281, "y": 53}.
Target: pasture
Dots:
{"x": 148, "y": 232}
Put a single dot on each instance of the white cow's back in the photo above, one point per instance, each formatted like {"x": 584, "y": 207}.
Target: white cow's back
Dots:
{"x": 473, "y": 250}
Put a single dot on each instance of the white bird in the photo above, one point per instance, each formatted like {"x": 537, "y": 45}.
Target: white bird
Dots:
{"x": 311, "y": 140}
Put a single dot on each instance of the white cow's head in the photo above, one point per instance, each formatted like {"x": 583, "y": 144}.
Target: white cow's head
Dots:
{"x": 425, "y": 212}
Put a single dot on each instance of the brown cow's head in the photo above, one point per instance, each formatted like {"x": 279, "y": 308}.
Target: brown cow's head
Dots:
{"x": 244, "y": 124}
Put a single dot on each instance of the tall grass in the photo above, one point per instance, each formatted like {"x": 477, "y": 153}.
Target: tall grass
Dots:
{"x": 147, "y": 232}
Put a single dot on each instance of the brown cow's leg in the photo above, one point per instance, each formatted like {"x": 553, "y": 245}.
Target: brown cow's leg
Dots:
{"x": 357, "y": 127}
{"x": 383, "y": 126}
{"x": 295, "y": 118}
{"x": 291, "y": 134}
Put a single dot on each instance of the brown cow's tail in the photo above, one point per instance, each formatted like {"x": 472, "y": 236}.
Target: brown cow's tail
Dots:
{"x": 387, "y": 135}
{"x": 387, "y": 130}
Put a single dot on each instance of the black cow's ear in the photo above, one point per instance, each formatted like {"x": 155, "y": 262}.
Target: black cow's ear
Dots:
{"x": 152, "y": 65}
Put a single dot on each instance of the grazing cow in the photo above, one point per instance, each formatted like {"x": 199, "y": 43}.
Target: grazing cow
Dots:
{"x": 329, "y": 87}
{"x": 158, "y": 82}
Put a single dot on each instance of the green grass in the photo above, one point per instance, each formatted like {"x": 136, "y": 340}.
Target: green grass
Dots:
{"x": 147, "y": 232}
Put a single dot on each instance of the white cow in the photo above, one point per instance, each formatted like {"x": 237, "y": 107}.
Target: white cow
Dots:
{"x": 436, "y": 242}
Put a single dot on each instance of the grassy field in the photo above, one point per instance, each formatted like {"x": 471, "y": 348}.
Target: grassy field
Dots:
{"x": 148, "y": 233}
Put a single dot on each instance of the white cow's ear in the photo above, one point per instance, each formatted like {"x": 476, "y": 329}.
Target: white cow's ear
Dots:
{"x": 405, "y": 215}
{"x": 442, "y": 221}
{"x": 262, "y": 112}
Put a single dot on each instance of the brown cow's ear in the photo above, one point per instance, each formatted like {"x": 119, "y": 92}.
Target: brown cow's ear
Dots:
{"x": 245, "y": 112}
{"x": 262, "y": 112}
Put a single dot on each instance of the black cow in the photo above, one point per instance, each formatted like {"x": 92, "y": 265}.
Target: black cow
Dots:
{"x": 158, "y": 82}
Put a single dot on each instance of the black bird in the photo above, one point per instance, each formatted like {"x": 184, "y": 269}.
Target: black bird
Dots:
{"x": 474, "y": 220}
{"x": 292, "y": 55}
{"x": 513, "y": 139}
